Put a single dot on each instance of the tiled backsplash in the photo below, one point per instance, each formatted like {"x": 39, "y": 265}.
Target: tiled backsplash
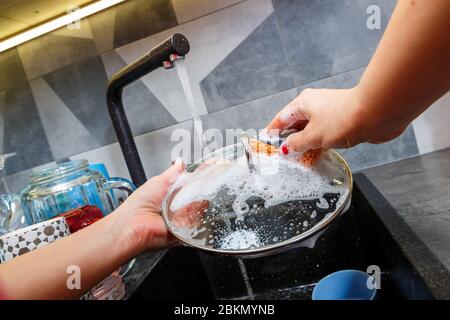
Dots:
{"x": 248, "y": 59}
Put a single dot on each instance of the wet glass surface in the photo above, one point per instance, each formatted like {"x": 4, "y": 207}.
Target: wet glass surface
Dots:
{"x": 222, "y": 205}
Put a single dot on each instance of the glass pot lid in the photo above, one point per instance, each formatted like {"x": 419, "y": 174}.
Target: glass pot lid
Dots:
{"x": 226, "y": 205}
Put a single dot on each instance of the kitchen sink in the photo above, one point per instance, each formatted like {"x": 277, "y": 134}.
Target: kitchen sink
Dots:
{"x": 370, "y": 233}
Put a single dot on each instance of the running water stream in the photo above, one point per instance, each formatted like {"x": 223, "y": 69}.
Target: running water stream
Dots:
{"x": 180, "y": 66}
{"x": 248, "y": 286}
{"x": 198, "y": 135}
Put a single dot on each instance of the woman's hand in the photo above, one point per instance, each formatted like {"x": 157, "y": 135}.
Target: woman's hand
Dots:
{"x": 408, "y": 72}
{"x": 334, "y": 118}
{"x": 97, "y": 250}
{"x": 140, "y": 215}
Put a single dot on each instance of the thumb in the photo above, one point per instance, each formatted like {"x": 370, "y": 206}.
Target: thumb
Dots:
{"x": 302, "y": 141}
{"x": 172, "y": 173}
{"x": 296, "y": 111}
{"x": 156, "y": 188}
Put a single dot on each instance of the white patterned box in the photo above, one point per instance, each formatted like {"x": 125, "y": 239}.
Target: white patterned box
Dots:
{"x": 29, "y": 238}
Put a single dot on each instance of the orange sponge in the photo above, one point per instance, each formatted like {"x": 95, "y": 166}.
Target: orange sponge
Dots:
{"x": 261, "y": 147}
{"x": 310, "y": 157}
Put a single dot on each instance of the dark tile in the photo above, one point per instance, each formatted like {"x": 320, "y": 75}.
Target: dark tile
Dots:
{"x": 2, "y": 120}
{"x": 11, "y": 68}
{"x": 82, "y": 87}
{"x": 326, "y": 37}
{"x": 102, "y": 27}
{"x": 23, "y": 131}
{"x": 66, "y": 135}
{"x": 51, "y": 52}
{"x": 144, "y": 111}
{"x": 344, "y": 80}
{"x": 368, "y": 155}
{"x": 256, "y": 68}
{"x": 255, "y": 114}
{"x": 137, "y": 19}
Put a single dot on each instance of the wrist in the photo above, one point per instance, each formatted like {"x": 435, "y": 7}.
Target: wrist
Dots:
{"x": 360, "y": 119}
{"x": 122, "y": 234}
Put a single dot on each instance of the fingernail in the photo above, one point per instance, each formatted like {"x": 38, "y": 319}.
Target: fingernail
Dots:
{"x": 284, "y": 148}
{"x": 287, "y": 115}
{"x": 179, "y": 162}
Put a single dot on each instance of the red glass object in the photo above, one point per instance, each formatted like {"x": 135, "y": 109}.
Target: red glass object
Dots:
{"x": 82, "y": 217}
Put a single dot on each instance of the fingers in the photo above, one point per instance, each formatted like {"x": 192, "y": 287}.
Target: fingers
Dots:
{"x": 295, "y": 112}
{"x": 155, "y": 189}
{"x": 172, "y": 173}
{"x": 190, "y": 215}
{"x": 302, "y": 141}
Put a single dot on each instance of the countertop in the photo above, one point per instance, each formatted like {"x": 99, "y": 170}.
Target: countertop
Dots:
{"x": 419, "y": 189}
{"x": 409, "y": 195}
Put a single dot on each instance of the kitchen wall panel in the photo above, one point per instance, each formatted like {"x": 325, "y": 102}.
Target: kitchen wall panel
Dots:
{"x": 11, "y": 69}
{"x": 140, "y": 18}
{"x": 23, "y": 132}
{"x": 53, "y": 51}
{"x": 81, "y": 86}
{"x": 325, "y": 37}
{"x": 138, "y": 100}
{"x": 256, "y": 68}
{"x": 248, "y": 59}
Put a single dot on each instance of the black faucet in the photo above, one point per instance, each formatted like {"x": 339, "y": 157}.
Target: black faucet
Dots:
{"x": 163, "y": 55}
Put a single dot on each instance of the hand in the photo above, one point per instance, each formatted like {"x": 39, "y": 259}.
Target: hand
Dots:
{"x": 140, "y": 214}
{"x": 334, "y": 118}
{"x": 97, "y": 250}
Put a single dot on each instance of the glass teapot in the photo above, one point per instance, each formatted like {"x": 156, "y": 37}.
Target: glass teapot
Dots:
{"x": 11, "y": 214}
{"x": 69, "y": 185}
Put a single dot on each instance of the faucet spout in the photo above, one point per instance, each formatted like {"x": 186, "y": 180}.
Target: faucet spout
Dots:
{"x": 175, "y": 47}
{"x": 171, "y": 62}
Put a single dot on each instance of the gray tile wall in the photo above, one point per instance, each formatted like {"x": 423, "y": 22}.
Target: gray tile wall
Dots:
{"x": 248, "y": 59}
{"x": 323, "y": 38}
{"x": 23, "y": 130}
{"x": 140, "y": 18}
{"x": 256, "y": 68}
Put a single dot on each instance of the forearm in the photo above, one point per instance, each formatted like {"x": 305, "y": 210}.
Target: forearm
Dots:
{"x": 411, "y": 67}
{"x": 408, "y": 72}
{"x": 42, "y": 274}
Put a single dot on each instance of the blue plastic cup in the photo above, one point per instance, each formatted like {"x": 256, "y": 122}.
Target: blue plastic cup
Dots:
{"x": 345, "y": 285}
{"x": 101, "y": 168}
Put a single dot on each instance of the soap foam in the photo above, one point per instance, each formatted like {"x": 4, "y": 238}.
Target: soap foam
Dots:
{"x": 293, "y": 181}
{"x": 240, "y": 240}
